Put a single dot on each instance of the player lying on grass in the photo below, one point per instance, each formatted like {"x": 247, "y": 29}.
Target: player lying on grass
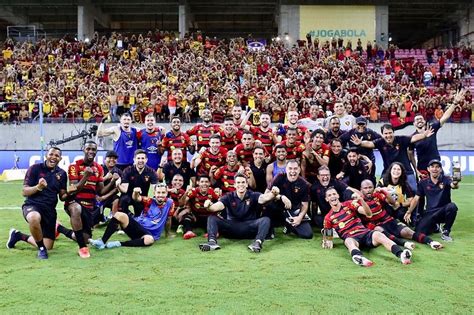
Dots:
{"x": 381, "y": 221}
{"x": 143, "y": 230}
{"x": 343, "y": 217}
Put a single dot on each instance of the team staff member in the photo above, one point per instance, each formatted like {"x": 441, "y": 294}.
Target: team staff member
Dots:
{"x": 344, "y": 220}
{"x": 138, "y": 175}
{"x": 394, "y": 149}
{"x": 177, "y": 165}
{"x": 125, "y": 140}
{"x": 439, "y": 208}
{"x": 86, "y": 181}
{"x": 241, "y": 221}
{"x": 43, "y": 183}
{"x": 294, "y": 191}
{"x": 145, "y": 229}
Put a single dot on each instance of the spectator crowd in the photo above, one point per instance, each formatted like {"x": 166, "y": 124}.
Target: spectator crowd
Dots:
{"x": 157, "y": 73}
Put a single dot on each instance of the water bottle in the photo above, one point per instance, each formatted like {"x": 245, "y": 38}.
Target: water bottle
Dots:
{"x": 456, "y": 171}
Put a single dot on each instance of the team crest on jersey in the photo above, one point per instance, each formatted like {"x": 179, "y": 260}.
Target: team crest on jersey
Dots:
{"x": 441, "y": 186}
{"x": 58, "y": 177}
{"x": 247, "y": 202}
{"x": 147, "y": 178}
{"x": 296, "y": 190}
{"x": 200, "y": 138}
{"x": 342, "y": 225}
{"x": 397, "y": 146}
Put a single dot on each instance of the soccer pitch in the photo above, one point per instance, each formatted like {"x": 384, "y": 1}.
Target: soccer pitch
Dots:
{"x": 290, "y": 275}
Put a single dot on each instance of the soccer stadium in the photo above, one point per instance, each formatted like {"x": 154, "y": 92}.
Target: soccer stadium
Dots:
{"x": 236, "y": 156}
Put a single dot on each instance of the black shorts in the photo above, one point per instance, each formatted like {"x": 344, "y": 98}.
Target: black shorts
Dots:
{"x": 393, "y": 227}
{"x": 89, "y": 218}
{"x": 134, "y": 230}
{"x": 365, "y": 240}
{"x": 48, "y": 219}
{"x": 108, "y": 202}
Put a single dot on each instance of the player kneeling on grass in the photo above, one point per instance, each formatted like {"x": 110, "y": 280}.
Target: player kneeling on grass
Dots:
{"x": 381, "y": 221}
{"x": 241, "y": 220}
{"x": 143, "y": 230}
{"x": 343, "y": 218}
{"x": 41, "y": 187}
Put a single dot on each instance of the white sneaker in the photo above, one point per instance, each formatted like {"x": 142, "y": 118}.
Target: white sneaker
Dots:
{"x": 409, "y": 245}
{"x": 436, "y": 245}
{"x": 405, "y": 257}
{"x": 362, "y": 261}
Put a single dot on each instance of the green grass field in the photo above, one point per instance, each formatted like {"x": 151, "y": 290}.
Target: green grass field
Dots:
{"x": 289, "y": 276}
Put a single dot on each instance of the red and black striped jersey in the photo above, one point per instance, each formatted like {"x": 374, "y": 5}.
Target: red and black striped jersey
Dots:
{"x": 172, "y": 141}
{"x": 175, "y": 197}
{"x": 208, "y": 160}
{"x": 197, "y": 199}
{"x": 225, "y": 177}
{"x": 379, "y": 215}
{"x": 203, "y": 133}
{"x": 300, "y": 132}
{"x": 266, "y": 137}
{"x": 230, "y": 142}
{"x": 294, "y": 152}
{"x": 345, "y": 221}
{"x": 86, "y": 197}
{"x": 244, "y": 155}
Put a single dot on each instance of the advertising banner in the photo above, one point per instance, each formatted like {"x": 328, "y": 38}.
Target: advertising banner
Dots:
{"x": 334, "y": 21}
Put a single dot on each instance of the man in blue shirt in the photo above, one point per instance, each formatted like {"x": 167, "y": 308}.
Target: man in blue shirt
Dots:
{"x": 439, "y": 207}
{"x": 241, "y": 220}
{"x": 41, "y": 187}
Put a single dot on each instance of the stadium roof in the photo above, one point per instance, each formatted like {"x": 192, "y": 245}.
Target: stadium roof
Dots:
{"x": 410, "y": 22}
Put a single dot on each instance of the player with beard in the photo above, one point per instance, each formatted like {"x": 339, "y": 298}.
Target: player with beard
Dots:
{"x": 241, "y": 219}
{"x": 263, "y": 133}
{"x": 237, "y": 117}
{"x": 427, "y": 149}
{"x": 320, "y": 207}
{"x": 278, "y": 166}
{"x": 203, "y": 131}
{"x": 43, "y": 183}
{"x": 294, "y": 191}
{"x": 110, "y": 199}
{"x": 195, "y": 213}
{"x": 343, "y": 218}
{"x": 144, "y": 229}
{"x": 150, "y": 140}
{"x": 294, "y": 148}
{"x": 380, "y": 220}
{"x": 138, "y": 175}
{"x": 223, "y": 176}
{"x": 334, "y": 130}
{"x": 244, "y": 150}
{"x": 356, "y": 169}
{"x": 177, "y": 165}
{"x": 211, "y": 158}
{"x": 230, "y": 135}
{"x": 175, "y": 139}
{"x": 315, "y": 155}
{"x": 125, "y": 140}
{"x": 436, "y": 189}
{"x": 86, "y": 181}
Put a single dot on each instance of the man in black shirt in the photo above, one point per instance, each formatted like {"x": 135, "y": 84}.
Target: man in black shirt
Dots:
{"x": 355, "y": 170}
{"x": 110, "y": 199}
{"x": 137, "y": 175}
{"x": 318, "y": 194}
{"x": 177, "y": 165}
{"x": 294, "y": 191}
{"x": 394, "y": 149}
{"x": 334, "y": 130}
{"x": 241, "y": 220}
{"x": 439, "y": 207}
{"x": 41, "y": 187}
{"x": 258, "y": 168}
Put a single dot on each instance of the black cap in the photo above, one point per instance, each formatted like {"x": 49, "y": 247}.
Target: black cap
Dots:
{"x": 111, "y": 153}
{"x": 361, "y": 120}
{"x": 434, "y": 161}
